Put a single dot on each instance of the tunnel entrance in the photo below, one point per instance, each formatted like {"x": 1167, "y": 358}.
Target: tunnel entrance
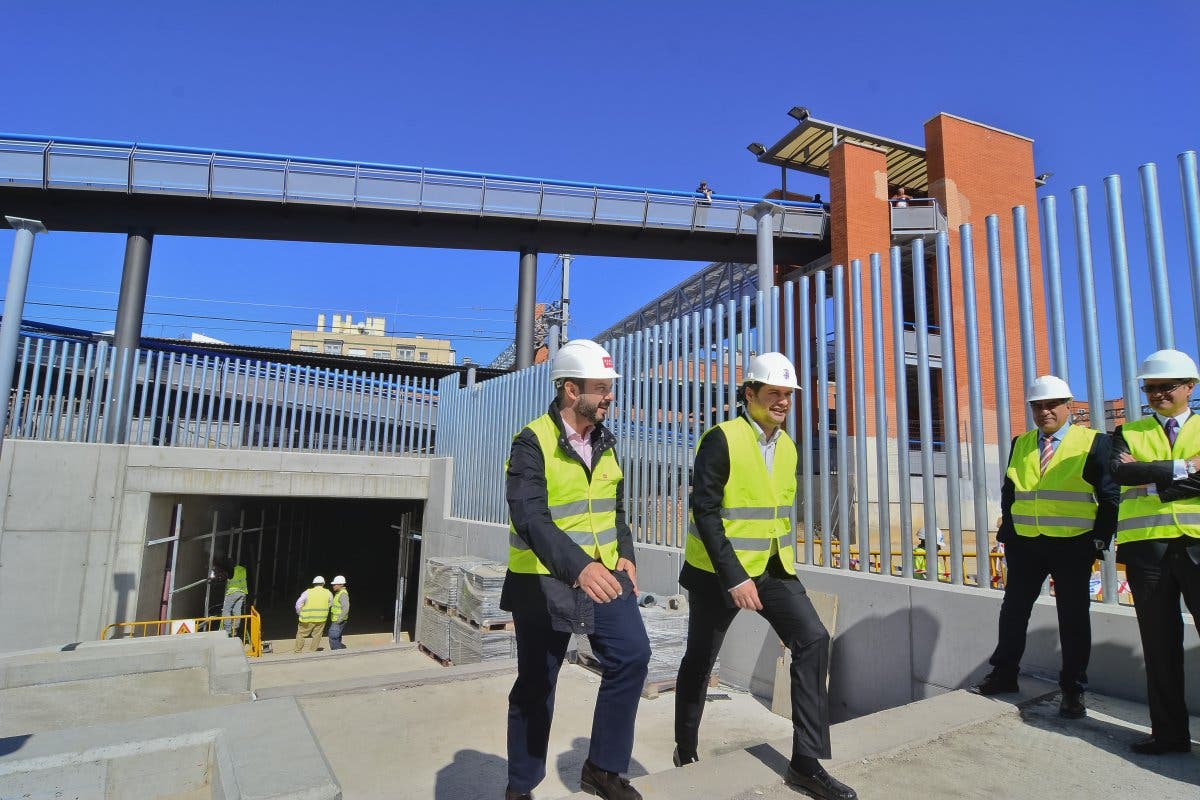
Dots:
{"x": 283, "y": 542}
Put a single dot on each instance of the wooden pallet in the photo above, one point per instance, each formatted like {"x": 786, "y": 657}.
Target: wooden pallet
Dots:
{"x": 487, "y": 624}
{"x": 651, "y": 690}
{"x": 445, "y": 662}
{"x": 442, "y": 607}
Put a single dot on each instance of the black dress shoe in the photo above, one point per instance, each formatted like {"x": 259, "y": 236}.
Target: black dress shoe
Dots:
{"x": 997, "y": 684}
{"x": 609, "y": 785}
{"x": 680, "y": 760}
{"x": 1151, "y": 746}
{"x": 512, "y": 794}
{"x": 820, "y": 784}
{"x": 1071, "y": 705}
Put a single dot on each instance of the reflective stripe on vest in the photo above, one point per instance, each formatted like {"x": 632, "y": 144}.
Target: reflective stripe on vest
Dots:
{"x": 316, "y": 605}
{"x": 1060, "y": 502}
{"x": 237, "y": 583}
{"x": 1143, "y": 515}
{"x": 756, "y": 508}
{"x": 584, "y": 511}
{"x": 335, "y": 612}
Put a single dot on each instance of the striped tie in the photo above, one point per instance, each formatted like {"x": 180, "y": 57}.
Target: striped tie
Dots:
{"x": 1047, "y": 452}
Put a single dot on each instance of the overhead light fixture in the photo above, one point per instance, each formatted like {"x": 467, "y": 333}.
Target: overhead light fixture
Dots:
{"x": 756, "y": 148}
{"x": 798, "y": 113}
{"x": 1040, "y": 180}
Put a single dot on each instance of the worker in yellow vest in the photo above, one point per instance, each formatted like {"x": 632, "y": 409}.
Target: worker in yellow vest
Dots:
{"x": 1058, "y": 511}
{"x": 339, "y": 612}
{"x": 1156, "y": 460}
{"x": 740, "y": 554}
{"x": 312, "y": 607}
{"x": 571, "y": 570}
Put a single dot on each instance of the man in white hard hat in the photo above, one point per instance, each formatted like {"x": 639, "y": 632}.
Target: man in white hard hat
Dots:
{"x": 339, "y": 612}
{"x": 740, "y": 554}
{"x": 571, "y": 570}
{"x": 1058, "y": 511}
{"x": 312, "y": 609}
{"x": 1157, "y": 462}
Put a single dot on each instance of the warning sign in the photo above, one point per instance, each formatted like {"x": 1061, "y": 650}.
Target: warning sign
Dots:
{"x": 183, "y": 626}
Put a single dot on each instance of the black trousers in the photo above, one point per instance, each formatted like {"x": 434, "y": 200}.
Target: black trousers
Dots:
{"x": 1069, "y": 562}
{"x": 1157, "y": 589}
{"x": 791, "y": 614}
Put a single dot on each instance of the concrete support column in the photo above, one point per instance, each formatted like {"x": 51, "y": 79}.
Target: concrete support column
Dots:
{"x": 526, "y": 298}
{"x": 131, "y": 308}
{"x": 14, "y": 306}
{"x": 764, "y": 214}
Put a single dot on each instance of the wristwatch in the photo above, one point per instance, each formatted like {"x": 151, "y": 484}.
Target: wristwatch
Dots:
{"x": 1192, "y": 469}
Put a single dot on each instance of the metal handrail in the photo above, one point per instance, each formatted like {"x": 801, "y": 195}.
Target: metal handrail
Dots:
{"x": 251, "y": 631}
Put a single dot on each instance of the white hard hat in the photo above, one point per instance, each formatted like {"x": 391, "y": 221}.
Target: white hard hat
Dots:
{"x": 339, "y": 579}
{"x": 582, "y": 358}
{"x": 773, "y": 369}
{"x": 318, "y": 579}
{"x": 1168, "y": 364}
{"x": 1049, "y": 387}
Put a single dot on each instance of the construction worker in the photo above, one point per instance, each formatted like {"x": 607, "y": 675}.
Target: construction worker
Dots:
{"x": 236, "y": 590}
{"x": 1058, "y": 511}
{"x": 312, "y": 607}
{"x": 339, "y": 612}
{"x": 571, "y": 570}
{"x": 740, "y": 554}
{"x": 1157, "y": 462}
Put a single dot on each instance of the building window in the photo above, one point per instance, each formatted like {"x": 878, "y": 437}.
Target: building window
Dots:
{"x": 333, "y": 348}
{"x": 405, "y": 353}
{"x": 360, "y": 352}
{"x": 308, "y": 348}
{"x": 424, "y": 356}
{"x": 379, "y": 354}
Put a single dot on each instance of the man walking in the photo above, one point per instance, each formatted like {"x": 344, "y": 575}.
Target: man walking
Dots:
{"x": 312, "y": 607}
{"x": 740, "y": 553}
{"x": 571, "y": 570}
{"x": 1157, "y": 462}
{"x": 236, "y": 590}
{"x": 1058, "y": 511}
{"x": 339, "y": 612}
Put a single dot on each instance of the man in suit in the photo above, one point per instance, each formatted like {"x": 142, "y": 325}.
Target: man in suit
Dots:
{"x": 740, "y": 553}
{"x": 1157, "y": 462}
{"x": 1058, "y": 511}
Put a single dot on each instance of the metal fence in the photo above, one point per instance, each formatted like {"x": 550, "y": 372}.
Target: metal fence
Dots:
{"x": 75, "y": 391}
{"x": 679, "y": 377}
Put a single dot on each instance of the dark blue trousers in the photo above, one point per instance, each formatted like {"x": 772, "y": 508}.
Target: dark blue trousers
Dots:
{"x": 619, "y": 644}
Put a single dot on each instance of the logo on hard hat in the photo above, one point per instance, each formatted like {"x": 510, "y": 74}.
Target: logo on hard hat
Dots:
{"x": 786, "y": 375}
{"x": 608, "y": 361}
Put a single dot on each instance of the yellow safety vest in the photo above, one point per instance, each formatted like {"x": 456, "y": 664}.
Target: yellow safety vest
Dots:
{"x": 1143, "y": 515}
{"x": 756, "y": 508}
{"x": 584, "y": 510}
{"x": 237, "y": 582}
{"x": 1060, "y": 502}
{"x": 316, "y": 605}
{"x": 336, "y": 609}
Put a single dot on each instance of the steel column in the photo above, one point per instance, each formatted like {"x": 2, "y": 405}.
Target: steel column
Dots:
{"x": 526, "y": 299}
{"x": 14, "y": 306}
{"x": 131, "y": 308}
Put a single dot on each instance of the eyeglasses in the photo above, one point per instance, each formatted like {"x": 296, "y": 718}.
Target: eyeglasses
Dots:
{"x": 1163, "y": 388}
{"x": 1046, "y": 405}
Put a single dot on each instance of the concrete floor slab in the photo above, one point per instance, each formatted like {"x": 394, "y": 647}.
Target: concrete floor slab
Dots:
{"x": 337, "y": 665}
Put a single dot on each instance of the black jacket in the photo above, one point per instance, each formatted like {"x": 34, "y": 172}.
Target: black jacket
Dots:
{"x": 1162, "y": 475}
{"x": 1095, "y": 472}
{"x": 528, "y": 507}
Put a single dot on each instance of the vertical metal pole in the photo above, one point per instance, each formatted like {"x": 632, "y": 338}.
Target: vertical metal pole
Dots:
{"x": 840, "y": 411}
{"x": 14, "y": 306}
{"x": 1156, "y": 255}
{"x": 131, "y": 307}
{"x": 861, "y": 495}
{"x": 925, "y": 410}
{"x": 1053, "y": 281}
{"x": 881, "y": 424}
{"x": 983, "y": 559}
{"x": 1024, "y": 303}
{"x": 1091, "y": 348}
{"x": 566, "y": 297}
{"x": 526, "y": 300}
{"x": 999, "y": 341}
{"x": 39, "y": 430}
{"x": 764, "y": 215}
{"x": 822, "y": 408}
{"x": 949, "y": 408}
{"x": 903, "y": 449}
{"x": 1122, "y": 300}
{"x": 178, "y": 534}
{"x": 1190, "y": 187}
{"x": 212, "y": 552}
{"x": 59, "y": 404}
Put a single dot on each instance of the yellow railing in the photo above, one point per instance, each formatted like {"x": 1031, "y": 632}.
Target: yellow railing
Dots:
{"x": 251, "y": 629}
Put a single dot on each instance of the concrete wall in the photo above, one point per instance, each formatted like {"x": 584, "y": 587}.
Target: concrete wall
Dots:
{"x": 74, "y": 520}
{"x": 896, "y": 640}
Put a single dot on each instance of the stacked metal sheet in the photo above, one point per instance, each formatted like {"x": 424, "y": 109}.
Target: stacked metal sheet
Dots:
{"x": 479, "y": 594}
{"x": 443, "y": 575}
{"x": 667, "y": 631}
{"x": 470, "y": 645}
{"x": 433, "y": 631}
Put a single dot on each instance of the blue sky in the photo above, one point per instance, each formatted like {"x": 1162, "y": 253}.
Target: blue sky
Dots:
{"x": 648, "y": 94}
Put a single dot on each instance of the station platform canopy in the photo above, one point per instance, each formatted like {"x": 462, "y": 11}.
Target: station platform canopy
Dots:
{"x": 806, "y": 149}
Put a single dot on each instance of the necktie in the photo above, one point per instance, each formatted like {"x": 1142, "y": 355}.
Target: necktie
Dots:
{"x": 1172, "y": 428}
{"x": 1047, "y": 452}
